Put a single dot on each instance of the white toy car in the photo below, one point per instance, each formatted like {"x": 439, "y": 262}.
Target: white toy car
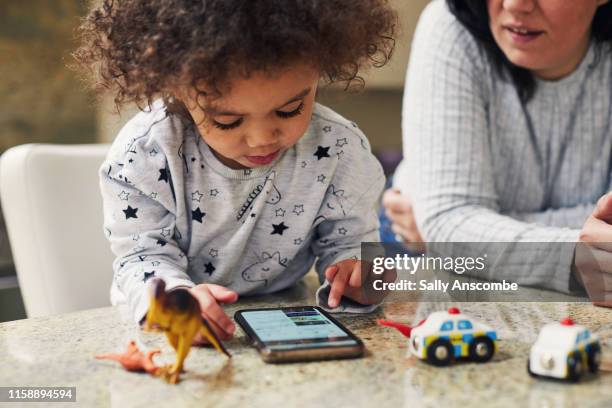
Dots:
{"x": 445, "y": 336}
{"x": 564, "y": 350}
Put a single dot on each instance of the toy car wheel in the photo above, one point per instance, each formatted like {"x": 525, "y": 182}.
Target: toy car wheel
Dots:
{"x": 594, "y": 359}
{"x": 481, "y": 349}
{"x": 574, "y": 367}
{"x": 440, "y": 352}
{"x": 531, "y": 373}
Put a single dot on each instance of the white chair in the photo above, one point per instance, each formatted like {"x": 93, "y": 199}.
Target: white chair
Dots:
{"x": 7, "y": 279}
{"x": 53, "y": 213}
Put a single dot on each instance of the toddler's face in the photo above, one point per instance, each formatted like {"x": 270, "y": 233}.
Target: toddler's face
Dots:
{"x": 258, "y": 118}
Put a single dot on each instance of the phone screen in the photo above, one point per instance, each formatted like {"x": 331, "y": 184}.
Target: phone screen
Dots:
{"x": 282, "y": 329}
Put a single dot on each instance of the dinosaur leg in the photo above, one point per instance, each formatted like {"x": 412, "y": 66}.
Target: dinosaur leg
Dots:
{"x": 166, "y": 370}
{"x": 184, "y": 345}
{"x": 172, "y": 339}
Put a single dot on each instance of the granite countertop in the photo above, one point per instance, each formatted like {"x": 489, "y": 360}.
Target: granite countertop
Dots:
{"x": 58, "y": 351}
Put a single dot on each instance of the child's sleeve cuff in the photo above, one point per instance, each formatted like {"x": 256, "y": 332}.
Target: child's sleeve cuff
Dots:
{"x": 346, "y": 305}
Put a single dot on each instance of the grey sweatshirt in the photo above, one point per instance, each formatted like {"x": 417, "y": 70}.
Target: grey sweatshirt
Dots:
{"x": 172, "y": 210}
{"x": 483, "y": 166}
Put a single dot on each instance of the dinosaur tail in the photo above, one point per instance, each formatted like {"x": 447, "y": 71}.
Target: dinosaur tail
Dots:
{"x": 209, "y": 333}
{"x": 110, "y": 356}
{"x": 402, "y": 328}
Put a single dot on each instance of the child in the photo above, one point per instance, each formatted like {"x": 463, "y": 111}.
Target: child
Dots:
{"x": 233, "y": 181}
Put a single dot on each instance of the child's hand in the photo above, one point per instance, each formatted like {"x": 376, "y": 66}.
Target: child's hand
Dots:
{"x": 210, "y": 298}
{"x": 341, "y": 274}
{"x": 347, "y": 279}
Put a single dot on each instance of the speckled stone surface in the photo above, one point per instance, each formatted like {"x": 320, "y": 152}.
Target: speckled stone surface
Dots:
{"x": 58, "y": 351}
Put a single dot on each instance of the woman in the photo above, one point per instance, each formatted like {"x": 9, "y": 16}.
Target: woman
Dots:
{"x": 507, "y": 124}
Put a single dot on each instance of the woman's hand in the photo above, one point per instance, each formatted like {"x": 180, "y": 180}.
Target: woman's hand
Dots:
{"x": 398, "y": 209}
{"x": 211, "y": 297}
{"x": 593, "y": 255}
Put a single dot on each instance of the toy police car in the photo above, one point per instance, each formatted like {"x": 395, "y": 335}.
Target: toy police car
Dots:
{"x": 564, "y": 350}
{"x": 445, "y": 336}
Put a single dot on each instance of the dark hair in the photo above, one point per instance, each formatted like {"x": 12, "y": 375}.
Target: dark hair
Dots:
{"x": 473, "y": 15}
{"x": 144, "y": 48}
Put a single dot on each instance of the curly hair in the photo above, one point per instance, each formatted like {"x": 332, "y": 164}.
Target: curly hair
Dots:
{"x": 474, "y": 16}
{"x": 142, "y": 49}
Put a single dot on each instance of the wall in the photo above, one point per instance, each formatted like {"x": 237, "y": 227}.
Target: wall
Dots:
{"x": 42, "y": 101}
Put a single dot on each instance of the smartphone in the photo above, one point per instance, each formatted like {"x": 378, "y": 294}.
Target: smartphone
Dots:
{"x": 302, "y": 333}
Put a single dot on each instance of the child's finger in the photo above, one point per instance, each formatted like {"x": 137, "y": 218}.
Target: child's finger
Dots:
{"x": 215, "y": 313}
{"x": 330, "y": 272}
{"x": 337, "y": 287}
{"x": 355, "y": 278}
{"x": 222, "y": 294}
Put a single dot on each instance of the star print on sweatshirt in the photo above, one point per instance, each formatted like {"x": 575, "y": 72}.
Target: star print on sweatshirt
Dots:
{"x": 172, "y": 210}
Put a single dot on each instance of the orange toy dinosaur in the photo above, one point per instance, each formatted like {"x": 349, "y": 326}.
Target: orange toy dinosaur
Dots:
{"x": 133, "y": 359}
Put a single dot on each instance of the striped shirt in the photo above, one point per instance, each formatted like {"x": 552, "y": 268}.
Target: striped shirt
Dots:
{"x": 482, "y": 166}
